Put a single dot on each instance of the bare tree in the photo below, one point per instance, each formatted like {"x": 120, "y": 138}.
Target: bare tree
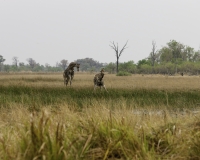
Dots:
{"x": 153, "y": 54}
{"x": 31, "y": 62}
{"x": 15, "y": 61}
{"x": 63, "y": 63}
{"x": 57, "y": 64}
{"x": 47, "y": 65}
{"x": 118, "y": 52}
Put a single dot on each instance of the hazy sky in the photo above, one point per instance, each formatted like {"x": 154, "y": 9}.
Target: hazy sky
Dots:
{"x": 51, "y": 30}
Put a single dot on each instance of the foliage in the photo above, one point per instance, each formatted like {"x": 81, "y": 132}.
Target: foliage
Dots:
{"x": 173, "y": 58}
{"x": 122, "y": 73}
{"x": 31, "y": 62}
{"x": 1, "y": 59}
{"x": 110, "y": 68}
{"x": 63, "y": 64}
{"x": 1, "y": 62}
{"x": 143, "y": 62}
{"x": 145, "y": 68}
{"x": 88, "y": 64}
{"x": 129, "y": 67}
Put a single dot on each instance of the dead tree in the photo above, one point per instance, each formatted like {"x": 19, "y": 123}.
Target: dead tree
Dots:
{"x": 15, "y": 61}
{"x": 31, "y": 62}
{"x": 153, "y": 54}
{"x": 118, "y": 53}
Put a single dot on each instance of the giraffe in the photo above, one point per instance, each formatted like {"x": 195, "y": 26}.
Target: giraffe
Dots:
{"x": 98, "y": 80}
{"x": 68, "y": 74}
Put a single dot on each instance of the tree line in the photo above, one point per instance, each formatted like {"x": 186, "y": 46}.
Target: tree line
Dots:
{"x": 173, "y": 58}
{"x": 87, "y": 64}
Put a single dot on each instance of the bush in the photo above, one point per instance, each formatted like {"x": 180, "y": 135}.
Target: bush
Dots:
{"x": 123, "y": 74}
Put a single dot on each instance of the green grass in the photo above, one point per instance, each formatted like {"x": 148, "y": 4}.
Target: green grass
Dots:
{"x": 38, "y": 96}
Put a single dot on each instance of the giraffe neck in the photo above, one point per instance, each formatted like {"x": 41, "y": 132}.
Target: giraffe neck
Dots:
{"x": 72, "y": 65}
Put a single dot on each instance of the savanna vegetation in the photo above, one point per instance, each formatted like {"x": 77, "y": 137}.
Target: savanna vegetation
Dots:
{"x": 174, "y": 58}
{"x": 141, "y": 117}
{"x": 145, "y": 115}
{"x": 171, "y": 59}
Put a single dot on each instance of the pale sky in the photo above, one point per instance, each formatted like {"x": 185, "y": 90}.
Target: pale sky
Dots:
{"x": 51, "y": 30}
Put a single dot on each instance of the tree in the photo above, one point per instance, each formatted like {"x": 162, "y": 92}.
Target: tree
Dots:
{"x": 110, "y": 68}
{"x": 88, "y": 64}
{"x": 165, "y": 54}
{"x": 1, "y": 62}
{"x": 21, "y": 64}
{"x": 6, "y": 68}
{"x": 176, "y": 49}
{"x": 145, "y": 68}
{"x": 15, "y": 61}
{"x": 31, "y": 62}
{"x": 127, "y": 67}
{"x": 118, "y": 52}
{"x": 142, "y": 62}
{"x": 154, "y": 55}
{"x": 63, "y": 64}
{"x": 170, "y": 68}
{"x": 196, "y": 56}
{"x": 1, "y": 59}
{"x": 188, "y": 52}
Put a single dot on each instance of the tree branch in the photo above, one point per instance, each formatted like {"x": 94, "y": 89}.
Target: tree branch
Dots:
{"x": 123, "y": 49}
{"x": 115, "y": 48}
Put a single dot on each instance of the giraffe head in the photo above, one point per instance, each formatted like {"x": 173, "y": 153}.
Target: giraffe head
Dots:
{"x": 77, "y": 66}
{"x": 102, "y": 70}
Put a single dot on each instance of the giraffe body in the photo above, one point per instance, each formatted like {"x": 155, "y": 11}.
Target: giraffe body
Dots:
{"x": 68, "y": 74}
{"x": 98, "y": 81}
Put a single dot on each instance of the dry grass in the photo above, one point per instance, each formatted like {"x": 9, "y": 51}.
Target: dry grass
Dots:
{"x": 96, "y": 133}
{"x": 104, "y": 128}
{"x": 112, "y": 81}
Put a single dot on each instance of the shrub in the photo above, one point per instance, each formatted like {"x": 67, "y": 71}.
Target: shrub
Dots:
{"x": 123, "y": 74}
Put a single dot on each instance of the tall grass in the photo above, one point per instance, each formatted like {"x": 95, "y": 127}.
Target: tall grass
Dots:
{"x": 51, "y": 121}
{"x": 83, "y": 97}
{"x": 96, "y": 133}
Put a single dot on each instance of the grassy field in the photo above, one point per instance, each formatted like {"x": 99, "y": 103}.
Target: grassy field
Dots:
{"x": 141, "y": 117}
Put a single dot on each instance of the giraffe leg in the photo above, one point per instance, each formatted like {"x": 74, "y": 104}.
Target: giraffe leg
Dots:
{"x": 95, "y": 86}
{"x": 71, "y": 76}
{"x": 70, "y": 81}
{"x": 64, "y": 77}
{"x": 105, "y": 88}
{"x": 67, "y": 80}
{"x": 64, "y": 81}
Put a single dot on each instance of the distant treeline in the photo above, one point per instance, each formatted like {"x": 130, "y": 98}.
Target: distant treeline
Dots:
{"x": 86, "y": 64}
{"x": 173, "y": 58}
